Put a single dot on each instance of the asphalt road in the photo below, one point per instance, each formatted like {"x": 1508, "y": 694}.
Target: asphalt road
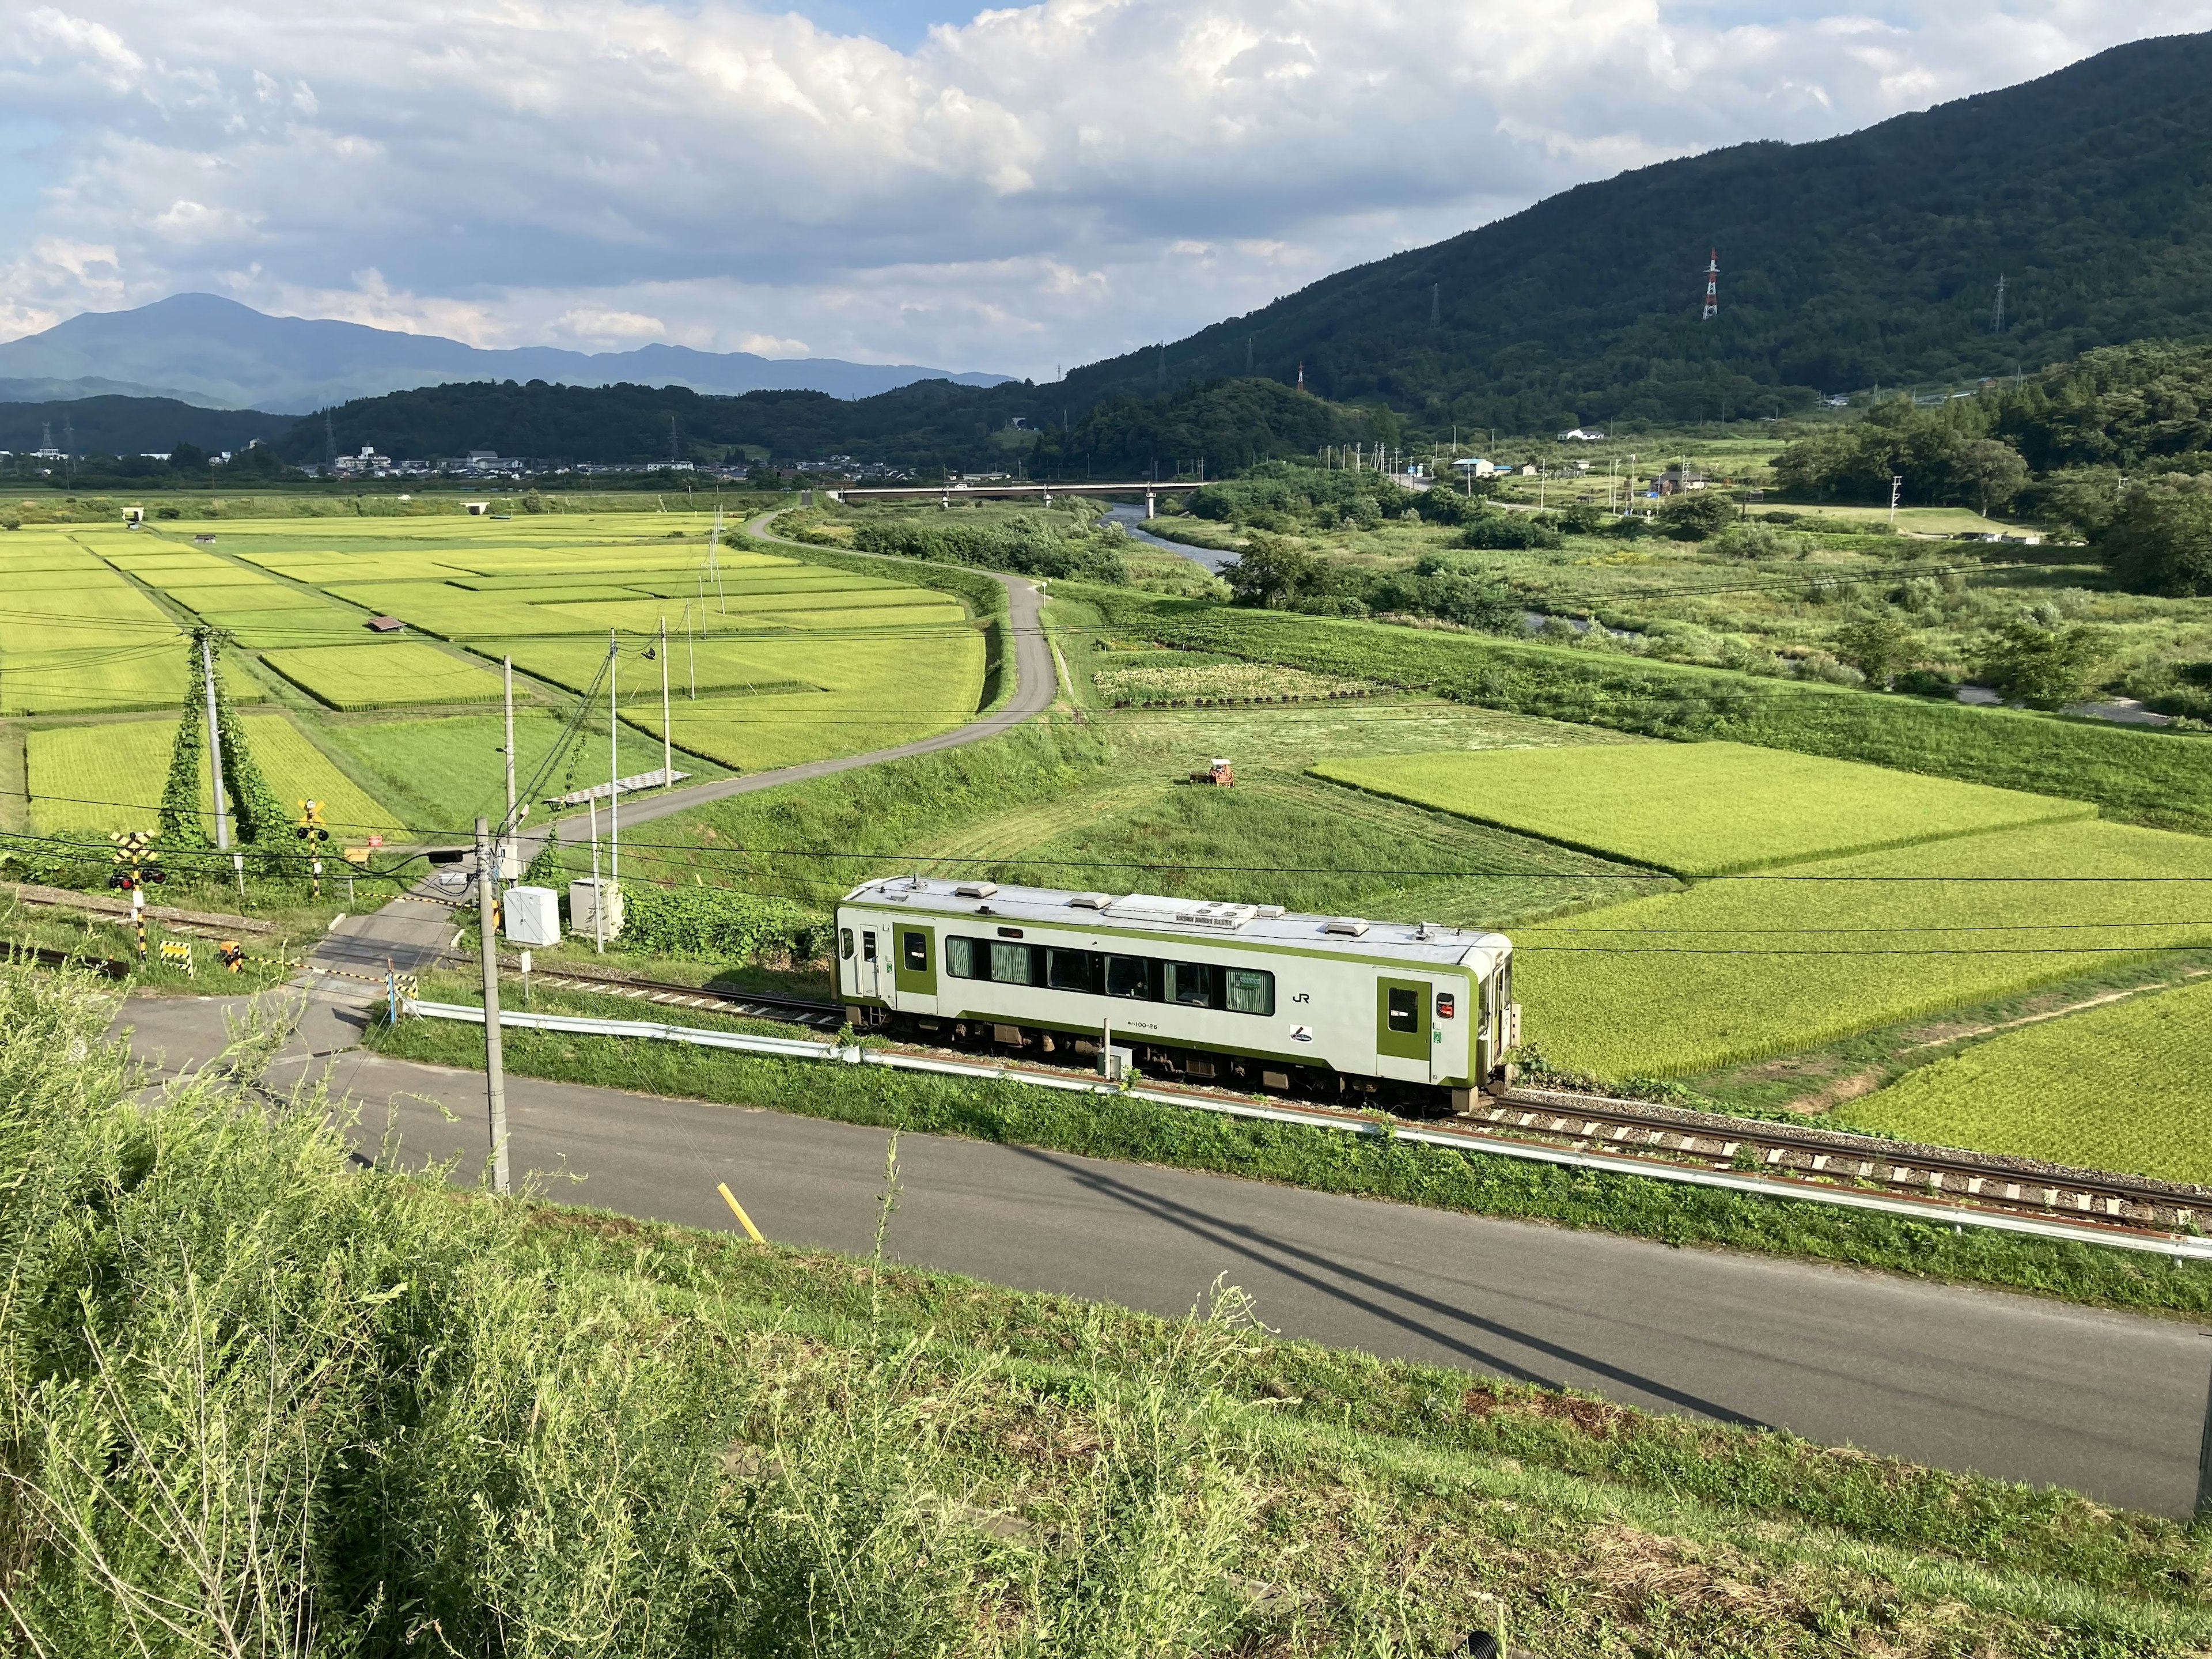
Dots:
{"x": 2009, "y": 1385}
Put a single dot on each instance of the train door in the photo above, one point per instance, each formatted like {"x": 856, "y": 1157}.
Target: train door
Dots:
{"x": 915, "y": 967}
{"x": 870, "y": 963}
{"x": 1403, "y": 1030}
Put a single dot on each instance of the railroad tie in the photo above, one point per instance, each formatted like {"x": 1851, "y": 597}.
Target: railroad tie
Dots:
{"x": 1820, "y": 1161}
{"x": 1776, "y": 1154}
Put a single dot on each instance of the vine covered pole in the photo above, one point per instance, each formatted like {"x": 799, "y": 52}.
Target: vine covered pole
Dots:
{"x": 215, "y": 741}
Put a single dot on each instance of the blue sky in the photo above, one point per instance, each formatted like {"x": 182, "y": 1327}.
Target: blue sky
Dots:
{"x": 888, "y": 180}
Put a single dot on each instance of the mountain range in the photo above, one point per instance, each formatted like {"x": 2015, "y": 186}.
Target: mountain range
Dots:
{"x": 205, "y": 350}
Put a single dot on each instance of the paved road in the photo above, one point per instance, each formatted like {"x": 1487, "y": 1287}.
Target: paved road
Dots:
{"x": 2008, "y": 1385}
{"x": 410, "y": 933}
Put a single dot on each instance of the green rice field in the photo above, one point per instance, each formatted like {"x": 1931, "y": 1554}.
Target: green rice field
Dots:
{"x": 771, "y": 659}
{"x": 1744, "y": 968}
{"x": 2125, "y": 1086}
{"x": 109, "y": 776}
{"x": 1698, "y": 809}
{"x": 385, "y": 675}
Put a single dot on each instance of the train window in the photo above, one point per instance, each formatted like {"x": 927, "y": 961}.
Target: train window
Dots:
{"x": 868, "y": 947}
{"x": 1251, "y": 991}
{"x": 960, "y": 959}
{"x": 1130, "y": 976}
{"x": 1010, "y": 964}
{"x": 1071, "y": 971}
{"x": 1192, "y": 983}
{"x": 845, "y": 943}
{"x": 1405, "y": 1011}
{"x": 916, "y": 946}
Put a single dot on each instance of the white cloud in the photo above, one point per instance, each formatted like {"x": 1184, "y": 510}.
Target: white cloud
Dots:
{"x": 1044, "y": 184}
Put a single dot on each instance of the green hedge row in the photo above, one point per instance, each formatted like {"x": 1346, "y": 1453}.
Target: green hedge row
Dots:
{"x": 729, "y": 927}
{"x": 2144, "y": 776}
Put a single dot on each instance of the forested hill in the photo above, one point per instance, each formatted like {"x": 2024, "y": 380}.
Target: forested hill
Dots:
{"x": 1871, "y": 258}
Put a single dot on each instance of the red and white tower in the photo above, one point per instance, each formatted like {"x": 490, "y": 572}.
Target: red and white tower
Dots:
{"x": 1712, "y": 287}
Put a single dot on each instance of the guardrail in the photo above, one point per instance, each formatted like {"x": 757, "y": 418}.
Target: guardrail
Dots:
{"x": 1933, "y": 1210}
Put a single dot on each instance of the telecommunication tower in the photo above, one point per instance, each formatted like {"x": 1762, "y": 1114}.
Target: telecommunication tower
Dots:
{"x": 1712, "y": 286}
{"x": 1996, "y": 311}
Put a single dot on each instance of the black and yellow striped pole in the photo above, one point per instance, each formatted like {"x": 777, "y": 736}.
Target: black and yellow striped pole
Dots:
{"x": 131, "y": 850}
{"x": 310, "y": 830}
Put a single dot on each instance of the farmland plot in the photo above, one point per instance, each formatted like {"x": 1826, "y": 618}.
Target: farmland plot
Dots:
{"x": 1741, "y": 968}
{"x": 2127, "y": 1086}
{"x": 94, "y": 779}
{"x": 1699, "y": 809}
{"x": 385, "y": 675}
{"x": 98, "y": 646}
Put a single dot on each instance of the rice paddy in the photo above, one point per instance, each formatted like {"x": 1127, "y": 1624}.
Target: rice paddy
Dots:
{"x": 1699, "y": 809}
{"x": 95, "y": 779}
{"x": 1743, "y": 969}
{"x": 770, "y": 660}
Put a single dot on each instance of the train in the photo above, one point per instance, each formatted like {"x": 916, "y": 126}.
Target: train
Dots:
{"x": 1413, "y": 1018}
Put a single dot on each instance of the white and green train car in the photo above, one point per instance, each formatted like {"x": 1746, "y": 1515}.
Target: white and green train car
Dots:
{"x": 1246, "y": 996}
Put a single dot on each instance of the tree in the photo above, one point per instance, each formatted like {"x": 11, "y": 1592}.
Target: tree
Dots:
{"x": 188, "y": 459}
{"x": 1272, "y": 575}
{"x": 1695, "y": 514}
{"x": 1993, "y": 470}
{"x": 1878, "y": 646}
{"x": 2159, "y": 541}
{"x": 2043, "y": 667}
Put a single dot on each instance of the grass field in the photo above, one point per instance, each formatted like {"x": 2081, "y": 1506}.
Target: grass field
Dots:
{"x": 94, "y": 647}
{"x": 385, "y": 675}
{"x": 1738, "y": 970}
{"x": 1698, "y": 809}
{"x": 2126, "y": 1086}
{"x": 109, "y": 776}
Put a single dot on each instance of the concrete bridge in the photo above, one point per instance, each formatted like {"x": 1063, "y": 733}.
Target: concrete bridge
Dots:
{"x": 1044, "y": 492}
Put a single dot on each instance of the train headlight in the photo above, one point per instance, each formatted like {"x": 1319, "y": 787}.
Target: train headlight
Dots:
{"x": 1447, "y": 1005}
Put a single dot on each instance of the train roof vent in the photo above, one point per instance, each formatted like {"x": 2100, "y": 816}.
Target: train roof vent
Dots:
{"x": 976, "y": 890}
{"x": 1091, "y": 901}
{"x": 1230, "y": 916}
{"x": 1270, "y": 912}
{"x": 1352, "y": 926}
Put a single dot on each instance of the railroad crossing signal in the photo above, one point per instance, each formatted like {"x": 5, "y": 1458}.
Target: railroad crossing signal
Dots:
{"x": 132, "y": 855}
{"x": 231, "y": 954}
{"x": 312, "y": 831}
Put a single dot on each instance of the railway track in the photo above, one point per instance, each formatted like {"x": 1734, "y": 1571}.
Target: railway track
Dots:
{"x": 1786, "y": 1154}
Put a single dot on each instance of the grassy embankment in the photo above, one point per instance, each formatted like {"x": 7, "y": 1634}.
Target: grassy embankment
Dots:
{"x": 260, "y": 1400}
{"x": 1138, "y": 1131}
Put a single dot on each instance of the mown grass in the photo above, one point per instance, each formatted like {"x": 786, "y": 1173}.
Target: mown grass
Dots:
{"x": 259, "y": 1399}
{"x": 1137, "y": 1131}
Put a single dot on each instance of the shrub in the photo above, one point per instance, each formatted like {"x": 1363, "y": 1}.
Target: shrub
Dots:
{"x": 1507, "y": 531}
{"x": 2043, "y": 667}
{"x": 717, "y": 924}
{"x": 1695, "y": 514}
{"x": 1024, "y": 544}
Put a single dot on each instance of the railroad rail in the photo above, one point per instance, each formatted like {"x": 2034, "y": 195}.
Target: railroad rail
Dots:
{"x": 1789, "y": 1151}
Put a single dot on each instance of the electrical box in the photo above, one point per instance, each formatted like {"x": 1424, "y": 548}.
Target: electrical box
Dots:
{"x": 584, "y": 907}
{"x": 533, "y": 916}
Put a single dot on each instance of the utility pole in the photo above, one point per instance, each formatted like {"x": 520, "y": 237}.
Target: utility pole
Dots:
{"x": 507, "y": 824}
{"x": 494, "y": 1059}
{"x": 668, "y": 764}
{"x": 599, "y": 892}
{"x": 1896, "y": 489}
{"x": 614, "y": 769}
{"x": 214, "y": 745}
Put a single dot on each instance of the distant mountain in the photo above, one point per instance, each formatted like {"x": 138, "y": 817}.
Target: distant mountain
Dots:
{"x": 1872, "y": 259}
{"x": 53, "y": 390}
{"x": 131, "y": 426}
{"x": 217, "y": 351}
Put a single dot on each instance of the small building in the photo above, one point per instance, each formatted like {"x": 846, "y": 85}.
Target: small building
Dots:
{"x": 385, "y": 625}
{"x": 1475, "y": 466}
{"x": 1579, "y": 435}
{"x": 476, "y": 509}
